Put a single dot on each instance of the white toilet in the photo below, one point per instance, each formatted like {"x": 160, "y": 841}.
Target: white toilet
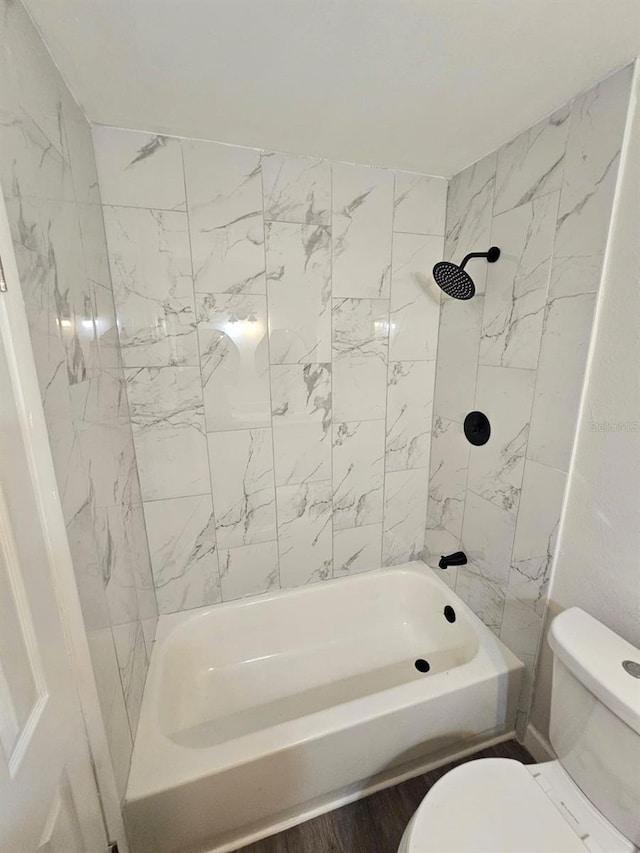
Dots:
{"x": 588, "y": 799}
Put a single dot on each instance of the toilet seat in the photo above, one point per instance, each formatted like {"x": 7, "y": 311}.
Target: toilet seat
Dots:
{"x": 497, "y": 805}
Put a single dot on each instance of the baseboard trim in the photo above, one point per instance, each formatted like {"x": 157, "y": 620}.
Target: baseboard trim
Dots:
{"x": 538, "y": 746}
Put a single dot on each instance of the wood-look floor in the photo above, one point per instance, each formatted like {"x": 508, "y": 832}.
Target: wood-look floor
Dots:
{"x": 372, "y": 825}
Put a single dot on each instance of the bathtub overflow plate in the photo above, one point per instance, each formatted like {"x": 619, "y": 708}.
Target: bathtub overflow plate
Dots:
{"x": 632, "y": 667}
{"x": 422, "y": 665}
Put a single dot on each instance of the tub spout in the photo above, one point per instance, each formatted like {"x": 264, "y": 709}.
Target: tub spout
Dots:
{"x": 457, "y": 559}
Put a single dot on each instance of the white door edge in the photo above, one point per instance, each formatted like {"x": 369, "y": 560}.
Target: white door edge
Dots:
{"x": 15, "y": 333}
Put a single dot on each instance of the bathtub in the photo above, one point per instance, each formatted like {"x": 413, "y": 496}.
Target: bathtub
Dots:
{"x": 260, "y": 713}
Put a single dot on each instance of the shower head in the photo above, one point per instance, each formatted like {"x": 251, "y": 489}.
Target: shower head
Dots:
{"x": 454, "y": 280}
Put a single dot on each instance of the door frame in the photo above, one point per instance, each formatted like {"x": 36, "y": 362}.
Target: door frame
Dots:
{"x": 17, "y": 339}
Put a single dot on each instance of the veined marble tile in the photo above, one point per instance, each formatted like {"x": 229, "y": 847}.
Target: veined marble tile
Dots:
{"x": 132, "y": 661}
{"x": 301, "y": 410}
{"x": 359, "y": 388}
{"x": 301, "y": 393}
{"x": 531, "y": 164}
{"x": 167, "y": 415}
{"x": 405, "y": 507}
{"x": 360, "y": 328}
{"x": 139, "y": 169}
{"x": 487, "y": 537}
{"x": 469, "y": 212}
{"x": 360, "y": 331}
{"x": 415, "y": 298}
{"x": 151, "y": 272}
{"x": 517, "y": 284}
{"x": 72, "y": 293}
{"x": 358, "y": 473}
{"x": 563, "y": 357}
{"x": 482, "y": 594}
{"x": 117, "y": 561}
{"x": 243, "y": 486}
{"x": 224, "y": 192}
{"x": 94, "y": 244}
{"x": 296, "y": 189}
{"x": 82, "y": 160}
{"x": 234, "y": 355}
{"x": 31, "y": 167}
{"x": 357, "y": 549}
{"x": 304, "y": 533}
{"x": 570, "y": 276}
{"x": 409, "y": 409}
{"x": 536, "y": 532}
{"x": 120, "y": 741}
{"x": 249, "y": 570}
{"x": 591, "y": 167}
{"x": 142, "y": 572}
{"x": 362, "y": 220}
{"x": 182, "y": 541}
{"x": 521, "y": 627}
{"x": 447, "y": 485}
{"x": 106, "y": 329}
{"x": 458, "y": 345}
{"x": 496, "y": 468}
{"x": 420, "y": 204}
{"x": 299, "y": 292}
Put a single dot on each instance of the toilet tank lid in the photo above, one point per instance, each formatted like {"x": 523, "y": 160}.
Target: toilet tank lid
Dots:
{"x": 595, "y": 656}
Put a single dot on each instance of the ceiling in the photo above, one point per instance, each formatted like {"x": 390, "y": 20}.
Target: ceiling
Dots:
{"x": 423, "y": 85}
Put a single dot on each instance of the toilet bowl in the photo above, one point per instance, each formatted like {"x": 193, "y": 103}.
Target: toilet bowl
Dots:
{"x": 586, "y": 800}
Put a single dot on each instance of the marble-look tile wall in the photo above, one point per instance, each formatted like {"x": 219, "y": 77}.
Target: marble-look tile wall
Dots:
{"x": 518, "y": 351}
{"x": 279, "y": 332}
{"x": 50, "y": 187}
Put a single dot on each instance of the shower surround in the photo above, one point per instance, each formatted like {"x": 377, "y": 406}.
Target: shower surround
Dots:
{"x": 279, "y": 333}
{"x": 50, "y": 188}
{"x": 517, "y": 351}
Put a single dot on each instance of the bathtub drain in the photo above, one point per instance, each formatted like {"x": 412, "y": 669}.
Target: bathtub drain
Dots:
{"x": 422, "y": 665}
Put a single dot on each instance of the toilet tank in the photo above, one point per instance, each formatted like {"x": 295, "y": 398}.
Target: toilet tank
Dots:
{"x": 595, "y": 716}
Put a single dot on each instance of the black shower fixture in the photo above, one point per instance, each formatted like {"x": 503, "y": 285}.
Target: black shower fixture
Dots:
{"x": 454, "y": 280}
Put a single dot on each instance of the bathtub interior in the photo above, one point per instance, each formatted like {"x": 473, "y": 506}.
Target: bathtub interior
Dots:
{"x": 268, "y": 660}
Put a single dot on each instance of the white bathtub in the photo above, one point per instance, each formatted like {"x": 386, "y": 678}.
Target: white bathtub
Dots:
{"x": 260, "y": 713}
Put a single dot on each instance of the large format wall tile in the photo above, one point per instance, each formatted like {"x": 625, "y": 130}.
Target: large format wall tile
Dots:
{"x": 565, "y": 343}
{"x": 495, "y": 469}
{"x": 296, "y": 189}
{"x": 358, "y": 473}
{"x": 357, "y": 549}
{"x": 415, "y": 298}
{"x": 182, "y": 541}
{"x": 361, "y": 231}
{"x": 517, "y": 284}
{"x": 536, "y": 532}
{"x": 301, "y": 416}
{"x": 405, "y": 506}
{"x": 243, "y": 488}
{"x": 518, "y": 351}
{"x": 168, "y": 430}
{"x": 304, "y": 533}
{"x": 249, "y": 570}
{"x": 49, "y": 182}
{"x": 469, "y": 212}
{"x": 419, "y": 205}
{"x": 409, "y": 411}
{"x": 224, "y": 195}
{"x": 299, "y": 291}
{"x": 151, "y": 273}
{"x": 591, "y": 167}
{"x": 234, "y": 358}
{"x": 139, "y": 169}
{"x": 531, "y": 165}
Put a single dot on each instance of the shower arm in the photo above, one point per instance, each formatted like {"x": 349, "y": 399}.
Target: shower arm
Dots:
{"x": 492, "y": 256}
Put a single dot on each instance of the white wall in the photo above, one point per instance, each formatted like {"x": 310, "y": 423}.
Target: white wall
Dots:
{"x": 598, "y": 561}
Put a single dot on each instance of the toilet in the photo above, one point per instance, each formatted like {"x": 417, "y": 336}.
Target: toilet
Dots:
{"x": 588, "y": 799}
